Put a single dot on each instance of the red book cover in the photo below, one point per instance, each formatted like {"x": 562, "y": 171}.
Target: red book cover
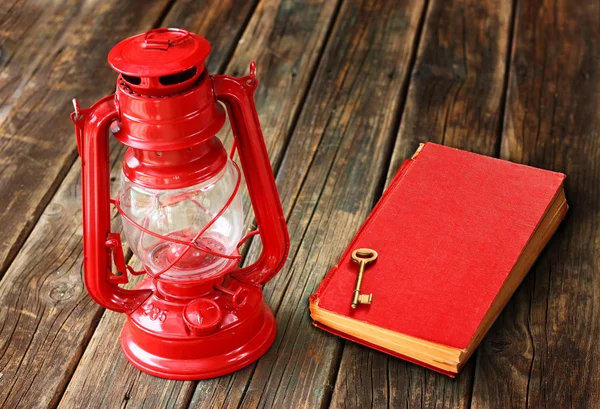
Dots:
{"x": 448, "y": 232}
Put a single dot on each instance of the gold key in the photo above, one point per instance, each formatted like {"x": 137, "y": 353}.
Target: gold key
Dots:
{"x": 362, "y": 257}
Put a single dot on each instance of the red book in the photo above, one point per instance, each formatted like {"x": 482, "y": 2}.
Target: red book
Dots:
{"x": 455, "y": 234}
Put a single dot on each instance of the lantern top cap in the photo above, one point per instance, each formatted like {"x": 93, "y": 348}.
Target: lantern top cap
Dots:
{"x": 159, "y": 52}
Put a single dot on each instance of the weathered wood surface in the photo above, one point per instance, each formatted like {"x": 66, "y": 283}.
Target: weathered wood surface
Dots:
{"x": 47, "y": 317}
{"x": 456, "y": 96}
{"x": 543, "y": 351}
{"x": 283, "y": 29}
{"x": 51, "y": 52}
{"x": 348, "y": 88}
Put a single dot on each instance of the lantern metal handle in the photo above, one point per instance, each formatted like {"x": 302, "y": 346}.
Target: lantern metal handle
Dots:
{"x": 99, "y": 243}
{"x": 238, "y": 96}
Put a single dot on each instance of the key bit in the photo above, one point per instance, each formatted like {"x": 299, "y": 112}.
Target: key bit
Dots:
{"x": 362, "y": 257}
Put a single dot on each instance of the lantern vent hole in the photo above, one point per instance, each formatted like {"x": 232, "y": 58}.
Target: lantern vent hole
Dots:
{"x": 131, "y": 79}
{"x": 178, "y": 78}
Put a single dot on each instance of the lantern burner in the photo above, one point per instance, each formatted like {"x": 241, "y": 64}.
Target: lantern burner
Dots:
{"x": 179, "y": 258}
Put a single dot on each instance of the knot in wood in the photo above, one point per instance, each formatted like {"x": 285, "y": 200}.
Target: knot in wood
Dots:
{"x": 62, "y": 292}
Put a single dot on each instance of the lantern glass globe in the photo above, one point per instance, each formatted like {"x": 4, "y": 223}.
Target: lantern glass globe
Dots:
{"x": 181, "y": 214}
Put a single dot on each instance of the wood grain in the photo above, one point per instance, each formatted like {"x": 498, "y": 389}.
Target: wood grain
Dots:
{"x": 543, "y": 351}
{"x": 340, "y": 144}
{"x": 51, "y": 52}
{"x": 284, "y": 30}
{"x": 455, "y": 97}
{"x": 46, "y": 316}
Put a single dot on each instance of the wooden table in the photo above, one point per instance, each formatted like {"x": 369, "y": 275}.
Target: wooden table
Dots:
{"x": 348, "y": 90}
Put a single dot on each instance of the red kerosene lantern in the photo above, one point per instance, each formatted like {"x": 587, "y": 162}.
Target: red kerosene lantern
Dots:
{"x": 197, "y": 314}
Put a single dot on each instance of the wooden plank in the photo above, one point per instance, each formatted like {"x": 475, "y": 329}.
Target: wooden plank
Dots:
{"x": 457, "y": 89}
{"x": 49, "y": 53}
{"x": 543, "y": 351}
{"x": 46, "y": 316}
{"x": 286, "y": 38}
{"x": 455, "y": 97}
{"x": 327, "y": 181}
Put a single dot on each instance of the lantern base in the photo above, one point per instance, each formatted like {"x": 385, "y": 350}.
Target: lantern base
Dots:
{"x": 157, "y": 341}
